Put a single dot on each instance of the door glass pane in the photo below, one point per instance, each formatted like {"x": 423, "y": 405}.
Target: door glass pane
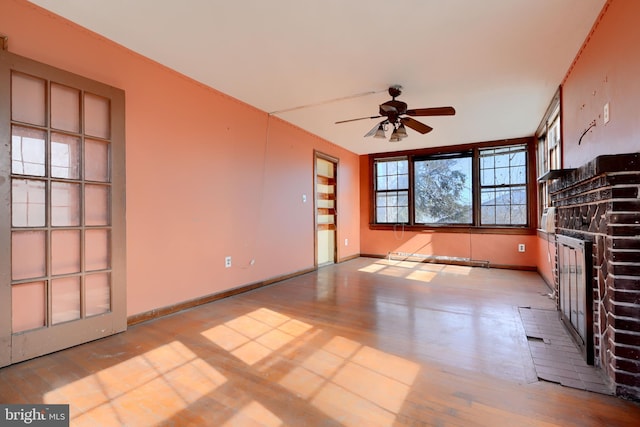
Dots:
{"x": 65, "y": 204}
{"x": 96, "y": 249}
{"x": 65, "y": 156}
{"x": 28, "y": 303}
{"x": 28, "y": 203}
{"x": 65, "y": 108}
{"x": 98, "y": 294}
{"x": 96, "y": 158}
{"x": 96, "y": 205}
{"x": 65, "y": 299}
{"x": 28, "y": 99}
{"x": 96, "y": 120}
{"x": 65, "y": 251}
{"x": 27, "y": 151}
{"x": 28, "y": 254}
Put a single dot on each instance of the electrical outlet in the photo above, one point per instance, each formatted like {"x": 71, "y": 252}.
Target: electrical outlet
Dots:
{"x": 227, "y": 262}
{"x": 521, "y": 247}
{"x": 346, "y": 242}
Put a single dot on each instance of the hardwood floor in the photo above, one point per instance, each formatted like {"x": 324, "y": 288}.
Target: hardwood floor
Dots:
{"x": 364, "y": 343}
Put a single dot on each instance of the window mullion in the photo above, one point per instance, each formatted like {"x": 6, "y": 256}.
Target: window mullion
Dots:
{"x": 475, "y": 188}
{"x": 411, "y": 189}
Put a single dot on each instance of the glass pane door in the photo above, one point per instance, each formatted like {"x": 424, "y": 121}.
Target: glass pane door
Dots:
{"x": 61, "y": 203}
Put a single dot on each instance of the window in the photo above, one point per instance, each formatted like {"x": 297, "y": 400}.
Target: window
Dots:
{"x": 443, "y": 189}
{"x": 549, "y": 150}
{"x": 503, "y": 185}
{"x": 392, "y": 191}
{"x": 485, "y": 185}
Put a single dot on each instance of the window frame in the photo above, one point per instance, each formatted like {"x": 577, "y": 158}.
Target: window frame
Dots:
{"x": 386, "y": 191}
{"x": 442, "y": 156}
{"x": 475, "y": 226}
{"x": 548, "y": 159}
{"x": 496, "y": 187}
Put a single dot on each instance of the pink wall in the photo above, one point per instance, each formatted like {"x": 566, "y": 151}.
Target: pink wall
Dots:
{"x": 207, "y": 176}
{"x": 606, "y": 70}
{"x": 498, "y": 249}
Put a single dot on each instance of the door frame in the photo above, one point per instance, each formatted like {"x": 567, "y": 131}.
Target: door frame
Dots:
{"x": 335, "y": 161}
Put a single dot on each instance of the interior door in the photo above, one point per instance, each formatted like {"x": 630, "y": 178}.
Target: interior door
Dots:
{"x": 326, "y": 210}
{"x": 62, "y": 228}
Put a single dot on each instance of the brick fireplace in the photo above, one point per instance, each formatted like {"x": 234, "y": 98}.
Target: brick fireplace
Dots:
{"x": 599, "y": 203}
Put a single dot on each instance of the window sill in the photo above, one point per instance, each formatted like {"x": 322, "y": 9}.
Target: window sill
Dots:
{"x": 454, "y": 229}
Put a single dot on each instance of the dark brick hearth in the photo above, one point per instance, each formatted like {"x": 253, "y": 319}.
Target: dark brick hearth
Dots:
{"x": 600, "y": 203}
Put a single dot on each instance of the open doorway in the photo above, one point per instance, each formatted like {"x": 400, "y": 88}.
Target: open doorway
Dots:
{"x": 326, "y": 214}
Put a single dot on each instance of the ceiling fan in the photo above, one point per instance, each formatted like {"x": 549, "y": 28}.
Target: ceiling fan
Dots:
{"x": 395, "y": 113}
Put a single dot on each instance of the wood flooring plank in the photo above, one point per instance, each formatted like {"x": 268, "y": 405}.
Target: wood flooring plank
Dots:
{"x": 363, "y": 343}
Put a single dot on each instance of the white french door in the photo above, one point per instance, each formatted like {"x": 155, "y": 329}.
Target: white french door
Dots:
{"x": 62, "y": 229}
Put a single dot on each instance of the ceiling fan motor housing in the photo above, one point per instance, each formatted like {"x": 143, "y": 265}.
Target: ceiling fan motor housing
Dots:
{"x": 393, "y": 109}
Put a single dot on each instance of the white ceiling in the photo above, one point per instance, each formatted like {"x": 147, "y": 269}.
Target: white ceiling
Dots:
{"x": 498, "y": 62}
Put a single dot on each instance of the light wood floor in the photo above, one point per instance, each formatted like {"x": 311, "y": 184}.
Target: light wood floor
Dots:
{"x": 364, "y": 343}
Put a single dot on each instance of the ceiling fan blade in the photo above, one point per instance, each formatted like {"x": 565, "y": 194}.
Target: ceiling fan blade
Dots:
{"x": 375, "y": 129}
{"x": 372, "y": 131}
{"x": 354, "y": 120}
{"x": 437, "y": 111}
{"x": 416, "y": 125}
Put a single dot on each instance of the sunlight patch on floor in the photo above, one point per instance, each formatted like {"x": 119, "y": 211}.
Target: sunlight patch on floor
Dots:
{"x": 413, "y": 270}
{"x": 253, "y": 414}
{"x": 255, "y": 336}
{"x": 354, "y": 384}
{"x": 129, "y": 391}
{"x": 422, "y": 276}
{"x": 458, "y": 269}
{"x": 373, "y": 267}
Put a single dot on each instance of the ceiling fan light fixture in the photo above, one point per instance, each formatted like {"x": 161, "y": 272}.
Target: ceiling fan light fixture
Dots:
{"x": 380, "y": 132}
{"x": 401, "y": 131}
{"x": 396, "y": 136}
